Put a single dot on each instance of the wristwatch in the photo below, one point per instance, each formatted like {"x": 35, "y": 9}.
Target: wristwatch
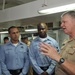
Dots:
{"x": 61, "y": 61}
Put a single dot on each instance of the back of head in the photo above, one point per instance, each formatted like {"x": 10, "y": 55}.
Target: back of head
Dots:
{"x": 25, "y": 39}
{"x": 6, "y": 39}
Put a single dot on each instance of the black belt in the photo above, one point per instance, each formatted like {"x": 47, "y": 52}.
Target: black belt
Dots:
{"x": 15, "y": 72}
{"x": 44, "y": 68}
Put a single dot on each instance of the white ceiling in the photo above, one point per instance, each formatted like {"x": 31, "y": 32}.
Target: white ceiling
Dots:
{"x": 28, "y": 21}
{"x": 12, "y": 3}
{"x": 32, "y": 21}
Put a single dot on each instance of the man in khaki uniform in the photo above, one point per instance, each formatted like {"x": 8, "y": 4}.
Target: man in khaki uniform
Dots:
{"x": 67, "y": 52}
{"x": 66, "y": 58}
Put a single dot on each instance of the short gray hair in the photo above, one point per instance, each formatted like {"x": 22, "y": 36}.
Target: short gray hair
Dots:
{"x": 71, "y": 13}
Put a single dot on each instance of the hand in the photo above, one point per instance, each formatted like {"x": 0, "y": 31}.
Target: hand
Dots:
{"x": 50, "y": 51}
{"x": 44, "y": 73}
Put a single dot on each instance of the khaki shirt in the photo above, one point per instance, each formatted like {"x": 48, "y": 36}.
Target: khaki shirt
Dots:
{"x": 67, "y": 52}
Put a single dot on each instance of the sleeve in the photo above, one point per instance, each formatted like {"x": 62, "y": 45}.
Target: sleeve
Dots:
{"x": 26, "y": 64}
{"x": 33, "y": 59}
{"x": 0, "y": 61}
{"x": 3, "y": 65}
{"x": 56, "y": 45}
{"x": 51, "y": 68}
{"x": 0, "y": 69}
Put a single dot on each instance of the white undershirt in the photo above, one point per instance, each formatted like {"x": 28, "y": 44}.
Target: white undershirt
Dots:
{"x": 15, "y": 44}
{"x": 42, "y": 39}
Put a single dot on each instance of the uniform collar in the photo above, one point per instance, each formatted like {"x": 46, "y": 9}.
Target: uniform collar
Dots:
{"x": 47, "y": 38}
{"x": 10, "y": 43}
{"x": 69, "y": 40}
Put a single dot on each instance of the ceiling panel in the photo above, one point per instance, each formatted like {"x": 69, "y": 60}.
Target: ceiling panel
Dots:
{"x": 28, "y": 21}
{"x": 12, "y": 3}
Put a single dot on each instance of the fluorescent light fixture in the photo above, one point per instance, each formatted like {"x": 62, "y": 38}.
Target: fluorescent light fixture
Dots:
{"x": 3, "y": 32}
{"x": 58, "y": 9}
{"x": 30, "y": 30}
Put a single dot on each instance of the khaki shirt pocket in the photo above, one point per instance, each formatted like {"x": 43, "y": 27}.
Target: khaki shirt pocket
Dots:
{"x": 71, "y": 51}
{"x": 71, "y": 54}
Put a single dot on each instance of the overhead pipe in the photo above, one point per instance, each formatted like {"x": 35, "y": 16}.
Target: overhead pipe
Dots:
{"x": 3, "y": 5}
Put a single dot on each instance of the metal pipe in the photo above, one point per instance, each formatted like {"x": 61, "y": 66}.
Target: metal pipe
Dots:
{"x": 3, "y": 5}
